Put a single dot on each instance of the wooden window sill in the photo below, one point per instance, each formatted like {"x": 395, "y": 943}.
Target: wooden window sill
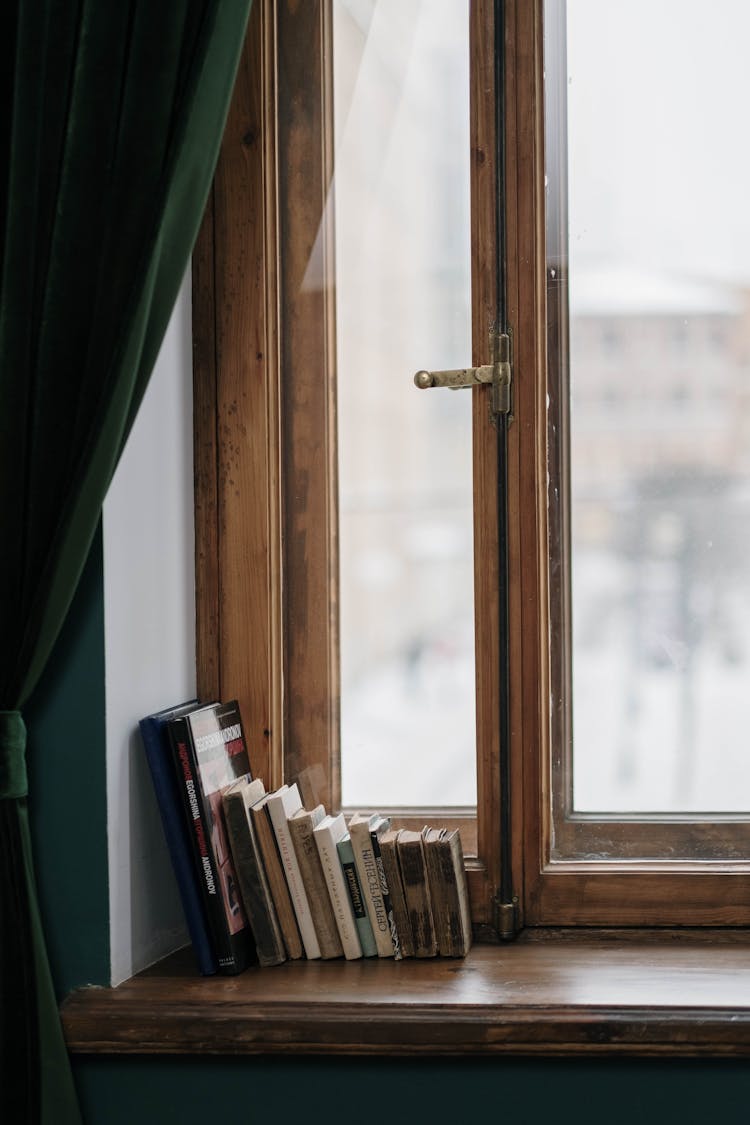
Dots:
{"x": 634, "y": 994}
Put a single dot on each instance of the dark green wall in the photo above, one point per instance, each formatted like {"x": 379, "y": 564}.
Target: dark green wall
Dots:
{"x": 67, "y": 735}
{"x": 520, "y": 1092}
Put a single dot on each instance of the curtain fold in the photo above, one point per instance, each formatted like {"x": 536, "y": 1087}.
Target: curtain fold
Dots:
{"x": 111, "y": 118}
{"x": 13, "y": 781}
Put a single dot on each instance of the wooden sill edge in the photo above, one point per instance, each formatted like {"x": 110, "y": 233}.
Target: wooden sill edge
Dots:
{"x": 669, "y": 995}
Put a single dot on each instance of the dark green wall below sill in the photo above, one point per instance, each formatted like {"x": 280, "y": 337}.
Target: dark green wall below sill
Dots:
{"x": 67, "y": 773}
{"x": 459, "y": 1092}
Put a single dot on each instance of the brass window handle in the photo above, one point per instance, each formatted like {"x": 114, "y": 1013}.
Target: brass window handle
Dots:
{"x": 497, "y": 374}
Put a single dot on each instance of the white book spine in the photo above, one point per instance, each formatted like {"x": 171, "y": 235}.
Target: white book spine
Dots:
{"x": 326, "y": 835}
{"x": 282, "y": 805}
{"x": 369, "y": 878}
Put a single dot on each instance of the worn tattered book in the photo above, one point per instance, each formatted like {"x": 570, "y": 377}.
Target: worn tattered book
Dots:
{"x": 238, "y": 800}
{"x": 277, "y": 882}
{"x": 210, "y": 753}
{"x": 392, "y": 869}
{"x": 410, "y": 847}
{"x": 449, "y": 891}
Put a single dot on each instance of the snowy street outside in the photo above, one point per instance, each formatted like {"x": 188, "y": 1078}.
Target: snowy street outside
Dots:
{"x": 659, "y": 390}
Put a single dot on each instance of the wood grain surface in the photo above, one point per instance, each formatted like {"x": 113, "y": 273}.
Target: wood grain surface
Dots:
{"x": 665, "y": 994}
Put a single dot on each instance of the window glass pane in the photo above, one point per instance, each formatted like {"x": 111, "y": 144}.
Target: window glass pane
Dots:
{"x": 401, "y": 95}
{"x": 659, "y": 352}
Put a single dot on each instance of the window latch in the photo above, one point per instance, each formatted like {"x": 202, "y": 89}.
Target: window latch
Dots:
{"x": 497, "y": 374}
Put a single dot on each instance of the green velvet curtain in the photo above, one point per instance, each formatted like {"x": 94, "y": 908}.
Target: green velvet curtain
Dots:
{"x": 111, "y": 115}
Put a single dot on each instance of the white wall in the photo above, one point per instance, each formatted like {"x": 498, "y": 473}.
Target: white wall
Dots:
{"x": 149, "y": 612}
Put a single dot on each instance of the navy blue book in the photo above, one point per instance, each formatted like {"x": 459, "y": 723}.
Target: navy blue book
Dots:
{"x": 158, "y": 749}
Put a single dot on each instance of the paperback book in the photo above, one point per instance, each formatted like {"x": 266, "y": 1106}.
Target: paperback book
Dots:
{"x": 238, "y": 800}
{"x": 361, "y": 917}
{"x": 360, "y": 829}
{"x": 302, "y": 824}
{"x": 392, "y": 869}
{"x": 279, "y": 887}
{"x": 282, "y": 804}
{"x": 328, "y": 834}
{"x": 449, "y": 891}
{"x": 411, "y": 858}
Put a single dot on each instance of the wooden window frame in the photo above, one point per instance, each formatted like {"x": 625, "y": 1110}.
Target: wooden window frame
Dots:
{"x": 265, "y": 430}
{"x": 623, "y": 885}
{"x": 265, "y": 456}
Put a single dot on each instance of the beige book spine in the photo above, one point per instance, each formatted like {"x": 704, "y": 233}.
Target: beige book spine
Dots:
{"x": 326, "y": 836}
{"x": 277, "y": 881}
{"x": 301, "y": 825}
{"x": 281, "y": 805}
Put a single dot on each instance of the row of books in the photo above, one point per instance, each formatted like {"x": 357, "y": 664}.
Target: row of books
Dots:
{"x": 264, "y": 879}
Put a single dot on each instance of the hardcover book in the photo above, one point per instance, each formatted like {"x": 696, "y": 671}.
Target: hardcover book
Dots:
{"x": 237, "y": 801}
{"x": 210, "y": 753}
{"x": 360, "y": 828}
{"x": 301, "y": 827}
{"x": 392, "y": 869}
{"x": 266, "y": 838}
{"x": 281, "y": 805}
{"x": 410, "y": 849}
{"x": 361, "y": 917}
{"x": 176, "y": 830}
{"x": 327, "y": 835}
{"x": 448, "y": 890}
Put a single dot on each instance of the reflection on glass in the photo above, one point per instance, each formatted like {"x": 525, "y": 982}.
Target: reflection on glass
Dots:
{"x": 659, "y": 293}
{"x": 401, "y": 95}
